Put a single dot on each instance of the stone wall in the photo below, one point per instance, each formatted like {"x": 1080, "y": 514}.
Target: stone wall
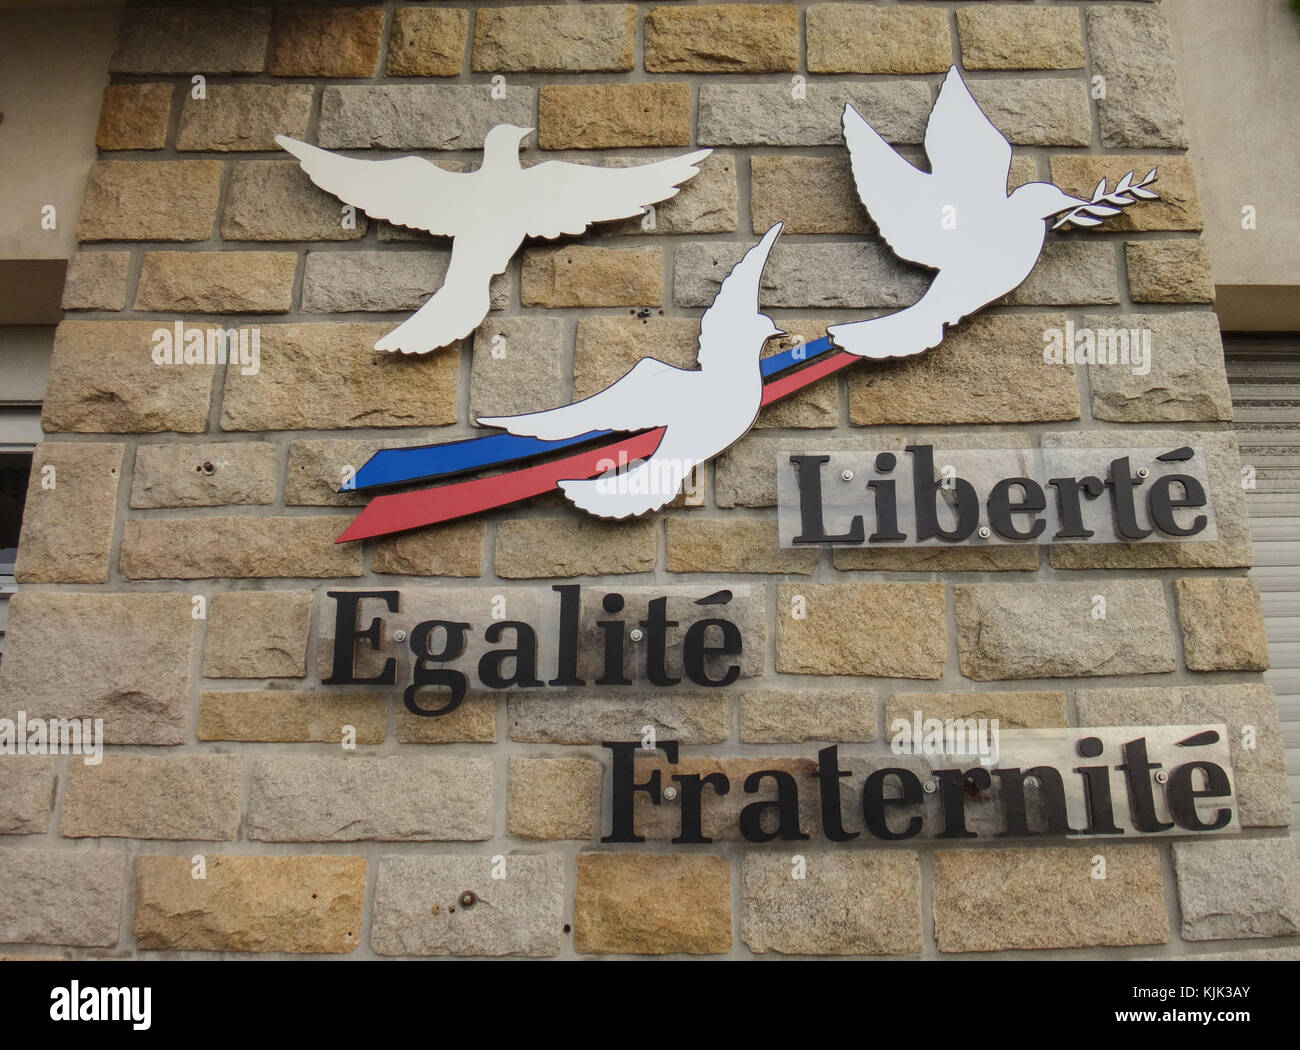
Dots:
{"x": 193, "y": 481}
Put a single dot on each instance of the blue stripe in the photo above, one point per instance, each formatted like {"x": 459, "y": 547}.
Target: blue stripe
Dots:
{"x": 392, "y": 466}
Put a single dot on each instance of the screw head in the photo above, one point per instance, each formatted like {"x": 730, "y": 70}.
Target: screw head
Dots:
{"x": 1162, "y": 777}
{"x": 847, "y": 475}
{"x": 636, "y": 634}
{"x": 1143, "y": 472}
{"x": 670, "y": 792}
{"x": 468, "y": 899}
{"x": 930, "y": 787}
{"x": 985, "y": 532}
{"x": 399, "y": 635}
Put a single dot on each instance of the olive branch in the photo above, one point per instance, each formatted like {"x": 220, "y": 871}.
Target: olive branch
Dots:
{"x": 1104, "y": 204}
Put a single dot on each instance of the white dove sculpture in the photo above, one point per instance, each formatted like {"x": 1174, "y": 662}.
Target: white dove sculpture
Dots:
{"x": 489, "y": 212}
{"x": 704, "y": 410}
{"x": 957, "y": 219}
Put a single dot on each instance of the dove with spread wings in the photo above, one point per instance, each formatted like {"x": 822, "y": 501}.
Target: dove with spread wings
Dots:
{"x": 488, "y": 212}
{"x": 956, "y": 218}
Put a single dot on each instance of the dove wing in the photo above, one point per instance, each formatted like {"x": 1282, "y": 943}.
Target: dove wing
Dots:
{"x": 897, "y": 194}
{"x": 565, "y": 198}
{"x": 644, "y": 398}
{"x": 962, "y": 142}
{"x": 408, "y": 191}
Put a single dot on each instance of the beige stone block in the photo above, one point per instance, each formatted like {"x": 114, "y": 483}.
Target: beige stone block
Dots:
{"x": 329, "y": 376}
{"x": 421, "y": 908}
{"x": 140, "y": 646}
{"x": 1020, "y": 37}
{"x": 1026, "y": 710}
{"x": 258, "y": 634}
{"x": 555, "y": 38}
{"x": 142, "y": 797}
{"x": 473, "y": 722}
{"x": 96, "y": 281}
{"x": 396, "y": 798}
{"x": 528, "y": 548}
{"x": 134, "y": 116}
{"x": 1169, "y": 271}
{"x": 609, "y": 116}
{"x": 237, "y": 548}
{"x": 165, "y": 200}
{"x": 62, "y": 896}
{"x": 583, "y": 275}
{"x": 212, "y": 474}
{"x": 319, "y": 467}
{"x": 1223, "y": 624}
{"x": 644, "y": 904}
{"x": 993, "y": 558}
{"x": 207, "y": 39}
{"x": 858, "y": 38}
{"x": 893, "y": 630}
{"x": 275, "y": 200}
{"x": 1185, "y": 378}
{"x": 995, "y": 900}
{"x": 290, "y": 716}
{"x": 553, "y": 798}
{"x": 987, "y": 370}
{"x": 698, "y": 544}
{"x": 300, "y": 904}
{"x": 26, "y": 794}
{"x": 427, "y": 42}
{"x": 689, "y": 718}
{"x": 103, "y": 380}
{"x": 217, "y": 282}
{"x": 326, "y": 42}
{"x": 452, "y": 549}
{"x": 807, "y": 194}
{"x": 71, "y": 509}
{"x": 244, "y": 116}
{"x": 793, "y": 716}
{"x": 519, "y": 366}
{"x": 1230, "y": 889}
{"x": 722, "y": 38}
{"x": 1050, "y": 630}
{"x": 863, "y": 903}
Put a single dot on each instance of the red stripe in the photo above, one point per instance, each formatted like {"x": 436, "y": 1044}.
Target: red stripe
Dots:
{"x": 412, "y": 510}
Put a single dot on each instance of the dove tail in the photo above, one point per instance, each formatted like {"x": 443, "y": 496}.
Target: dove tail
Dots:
{"x": 900, "y": 334}
{"x": 453, "y": 312}
{"x": 618, "y": 497}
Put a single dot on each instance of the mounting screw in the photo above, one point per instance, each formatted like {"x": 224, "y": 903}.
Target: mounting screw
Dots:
{"x": 670, "y": 792}
{"x": 399, "y": 635}
{"x": 208, "y": 468}
{"x": 847, "y": 475}
{"x": 930, "y": 787}
{"x": 1143, "y": 472}
{"x": 468, "y": 899}
{"x": 985, "y": 533}
{"x": 1162, "y": 777}
{"x": 636, "y": 634}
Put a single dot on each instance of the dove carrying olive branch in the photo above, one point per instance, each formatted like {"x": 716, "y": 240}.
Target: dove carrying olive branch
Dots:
{"x": 1104, "y": 205}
